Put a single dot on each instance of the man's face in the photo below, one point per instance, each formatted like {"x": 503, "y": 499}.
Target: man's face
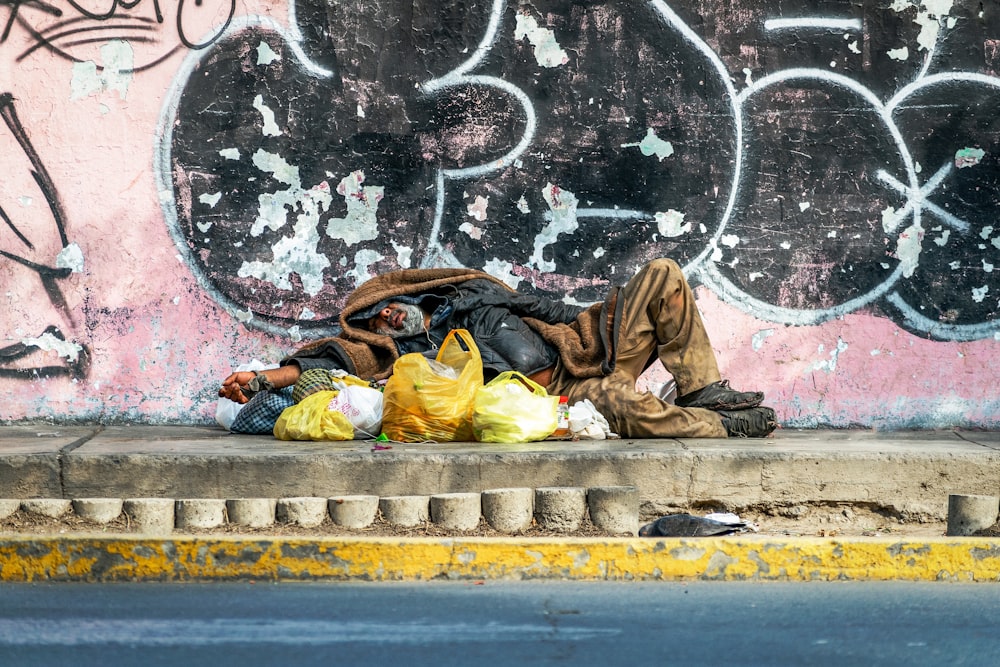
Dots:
{"x": 398, "y": 320}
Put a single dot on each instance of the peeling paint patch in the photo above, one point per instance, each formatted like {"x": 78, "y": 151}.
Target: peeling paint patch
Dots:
{"x": 987, "y": 267}
{"x": 230, "y": 153}
{"x": 562, "y": 204}
{"x": 271, "y": 207}
{"x": 210, "y": 199}
{"x": 908, "y": 248}
{"x": 477, "y": 209}
{"x": 50, "y": 343}
{"x": 757, "y": 341}
{"x": 404, "y": 255}
{"x": 548, "y": 53}
{"x": 943, "y": 239}
{"x": 686, "y": 552}
{"x": 362, "y": 260}
{"x": 502, "y": 270}
{"x": 803, "y": 206}
{"x": 652, "y": 145}
{"x": 730, "y": 240}
{"x": 968, "y": 157}
{"x": 265, "y": 54}
{"x": 470, "y": 229}
{"x": 853, "y": 47}
{"x": 979, "y": 293}
{"x": 361, "y": 221}
{"x": 295, "y": 333}
{"x": 902, "y": 53}
{"x": 70, "y": 257}
{"x": 718, "y": 562}
{"x": 522, "y": 205}
{"x": 829, "y": 365}
{"x": 268, "y": 127}
{"x": 671, "y": 223}
{"x": 117, "y": 61}
{"x": 297, "y": 253}
{"x": 891, "y": 219}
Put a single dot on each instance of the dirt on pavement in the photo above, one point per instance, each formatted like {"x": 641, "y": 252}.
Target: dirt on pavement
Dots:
{"x": 798, "y": 520}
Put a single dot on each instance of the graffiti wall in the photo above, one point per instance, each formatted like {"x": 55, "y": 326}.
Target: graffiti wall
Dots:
{"x": 189, "y": 186}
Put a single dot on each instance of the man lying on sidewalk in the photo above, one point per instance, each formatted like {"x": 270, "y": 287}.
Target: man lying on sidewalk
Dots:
{"x": 594, "y": 352}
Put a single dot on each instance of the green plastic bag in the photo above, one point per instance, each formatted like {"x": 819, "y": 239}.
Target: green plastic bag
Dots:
{"x": 513, "y": 408}
{"x": 431, "y": 401}
{"x": 312, "y": 419}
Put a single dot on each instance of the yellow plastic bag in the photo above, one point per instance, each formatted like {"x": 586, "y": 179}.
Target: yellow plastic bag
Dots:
{"x": 431, "y": 401}
{"x": 514, "y": 408}
{"x": 312, "y": 419}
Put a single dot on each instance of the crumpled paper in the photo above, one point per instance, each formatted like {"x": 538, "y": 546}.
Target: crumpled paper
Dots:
{"x": 586, "y": 423}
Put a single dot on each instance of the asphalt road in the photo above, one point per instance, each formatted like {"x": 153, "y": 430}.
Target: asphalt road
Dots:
{"x": 499, "y": 623}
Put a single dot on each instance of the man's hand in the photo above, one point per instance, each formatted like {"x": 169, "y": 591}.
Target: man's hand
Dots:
{"x": 232, "y": 386}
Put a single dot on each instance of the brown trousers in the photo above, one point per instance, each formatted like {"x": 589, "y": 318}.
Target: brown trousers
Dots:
{"x": 660, "y": 320}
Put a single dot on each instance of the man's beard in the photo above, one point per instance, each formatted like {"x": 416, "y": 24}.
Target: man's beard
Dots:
{"x": 413, "y": 323}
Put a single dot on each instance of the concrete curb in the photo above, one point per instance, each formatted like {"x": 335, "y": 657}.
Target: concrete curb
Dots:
{"x": 197, "y": 558}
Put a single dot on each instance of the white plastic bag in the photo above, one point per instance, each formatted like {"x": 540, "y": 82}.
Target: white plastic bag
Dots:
{"x": 225, "y": 409}
{"x": 362, "y": 406}
{"x": 586, "y": 423}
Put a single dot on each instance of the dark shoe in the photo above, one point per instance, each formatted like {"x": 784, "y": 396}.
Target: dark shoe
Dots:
{"x": 718, "y": 396}
{"x": 753, "y": 423}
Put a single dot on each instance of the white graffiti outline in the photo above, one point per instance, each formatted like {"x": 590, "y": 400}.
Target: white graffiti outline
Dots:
{"x": 962, "y": 332}
{"x": 921, "y": 198}
{"x": 437, "y": 254}
{"x": 819, "y": 23}
{"x": 714, "y": 279}
{"x": 917, "y": 196}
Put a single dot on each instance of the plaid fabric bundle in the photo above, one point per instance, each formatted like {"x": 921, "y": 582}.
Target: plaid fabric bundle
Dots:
{"x": 313, "y": 380}
{"x": 262, "y": 411}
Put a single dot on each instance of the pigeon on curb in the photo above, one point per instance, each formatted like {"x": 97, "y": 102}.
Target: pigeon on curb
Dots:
{"x": 688, "y": 525}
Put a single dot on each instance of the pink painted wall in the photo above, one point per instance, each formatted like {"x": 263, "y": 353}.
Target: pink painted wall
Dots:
{"x": 147, "y": 331}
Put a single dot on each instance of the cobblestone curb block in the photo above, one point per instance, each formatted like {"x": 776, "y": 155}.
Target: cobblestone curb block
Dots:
{"x": 98, "y": 510}
{"x": 25, "y": 559}
{"x": 405, "y": 511}
{"x": 48, "y": 507}
{"x": 252, "y": 512}
{"x": 8, "y": 506}
{"x": 353, "y": 511}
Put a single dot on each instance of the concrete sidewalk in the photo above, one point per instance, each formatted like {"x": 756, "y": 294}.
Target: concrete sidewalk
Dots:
{"x": 908, "y": 472}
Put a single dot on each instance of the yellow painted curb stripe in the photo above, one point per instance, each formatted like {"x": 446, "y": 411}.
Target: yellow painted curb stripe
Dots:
{"x": 187, "y": 558}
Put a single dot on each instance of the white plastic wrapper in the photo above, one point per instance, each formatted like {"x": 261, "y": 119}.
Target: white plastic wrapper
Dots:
{"x": 586, "y": 423}
{"x": 225, "y": 409}
{"x": 362, "y": 406}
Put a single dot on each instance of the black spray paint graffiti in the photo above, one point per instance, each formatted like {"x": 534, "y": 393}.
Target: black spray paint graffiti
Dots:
{"x": 793, "y": 168}
{"x": 29, "y": 237}
{"x": 68, "y": 29}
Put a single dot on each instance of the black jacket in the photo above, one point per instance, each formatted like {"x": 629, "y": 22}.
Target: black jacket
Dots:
{"x": 513, "y": 331}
